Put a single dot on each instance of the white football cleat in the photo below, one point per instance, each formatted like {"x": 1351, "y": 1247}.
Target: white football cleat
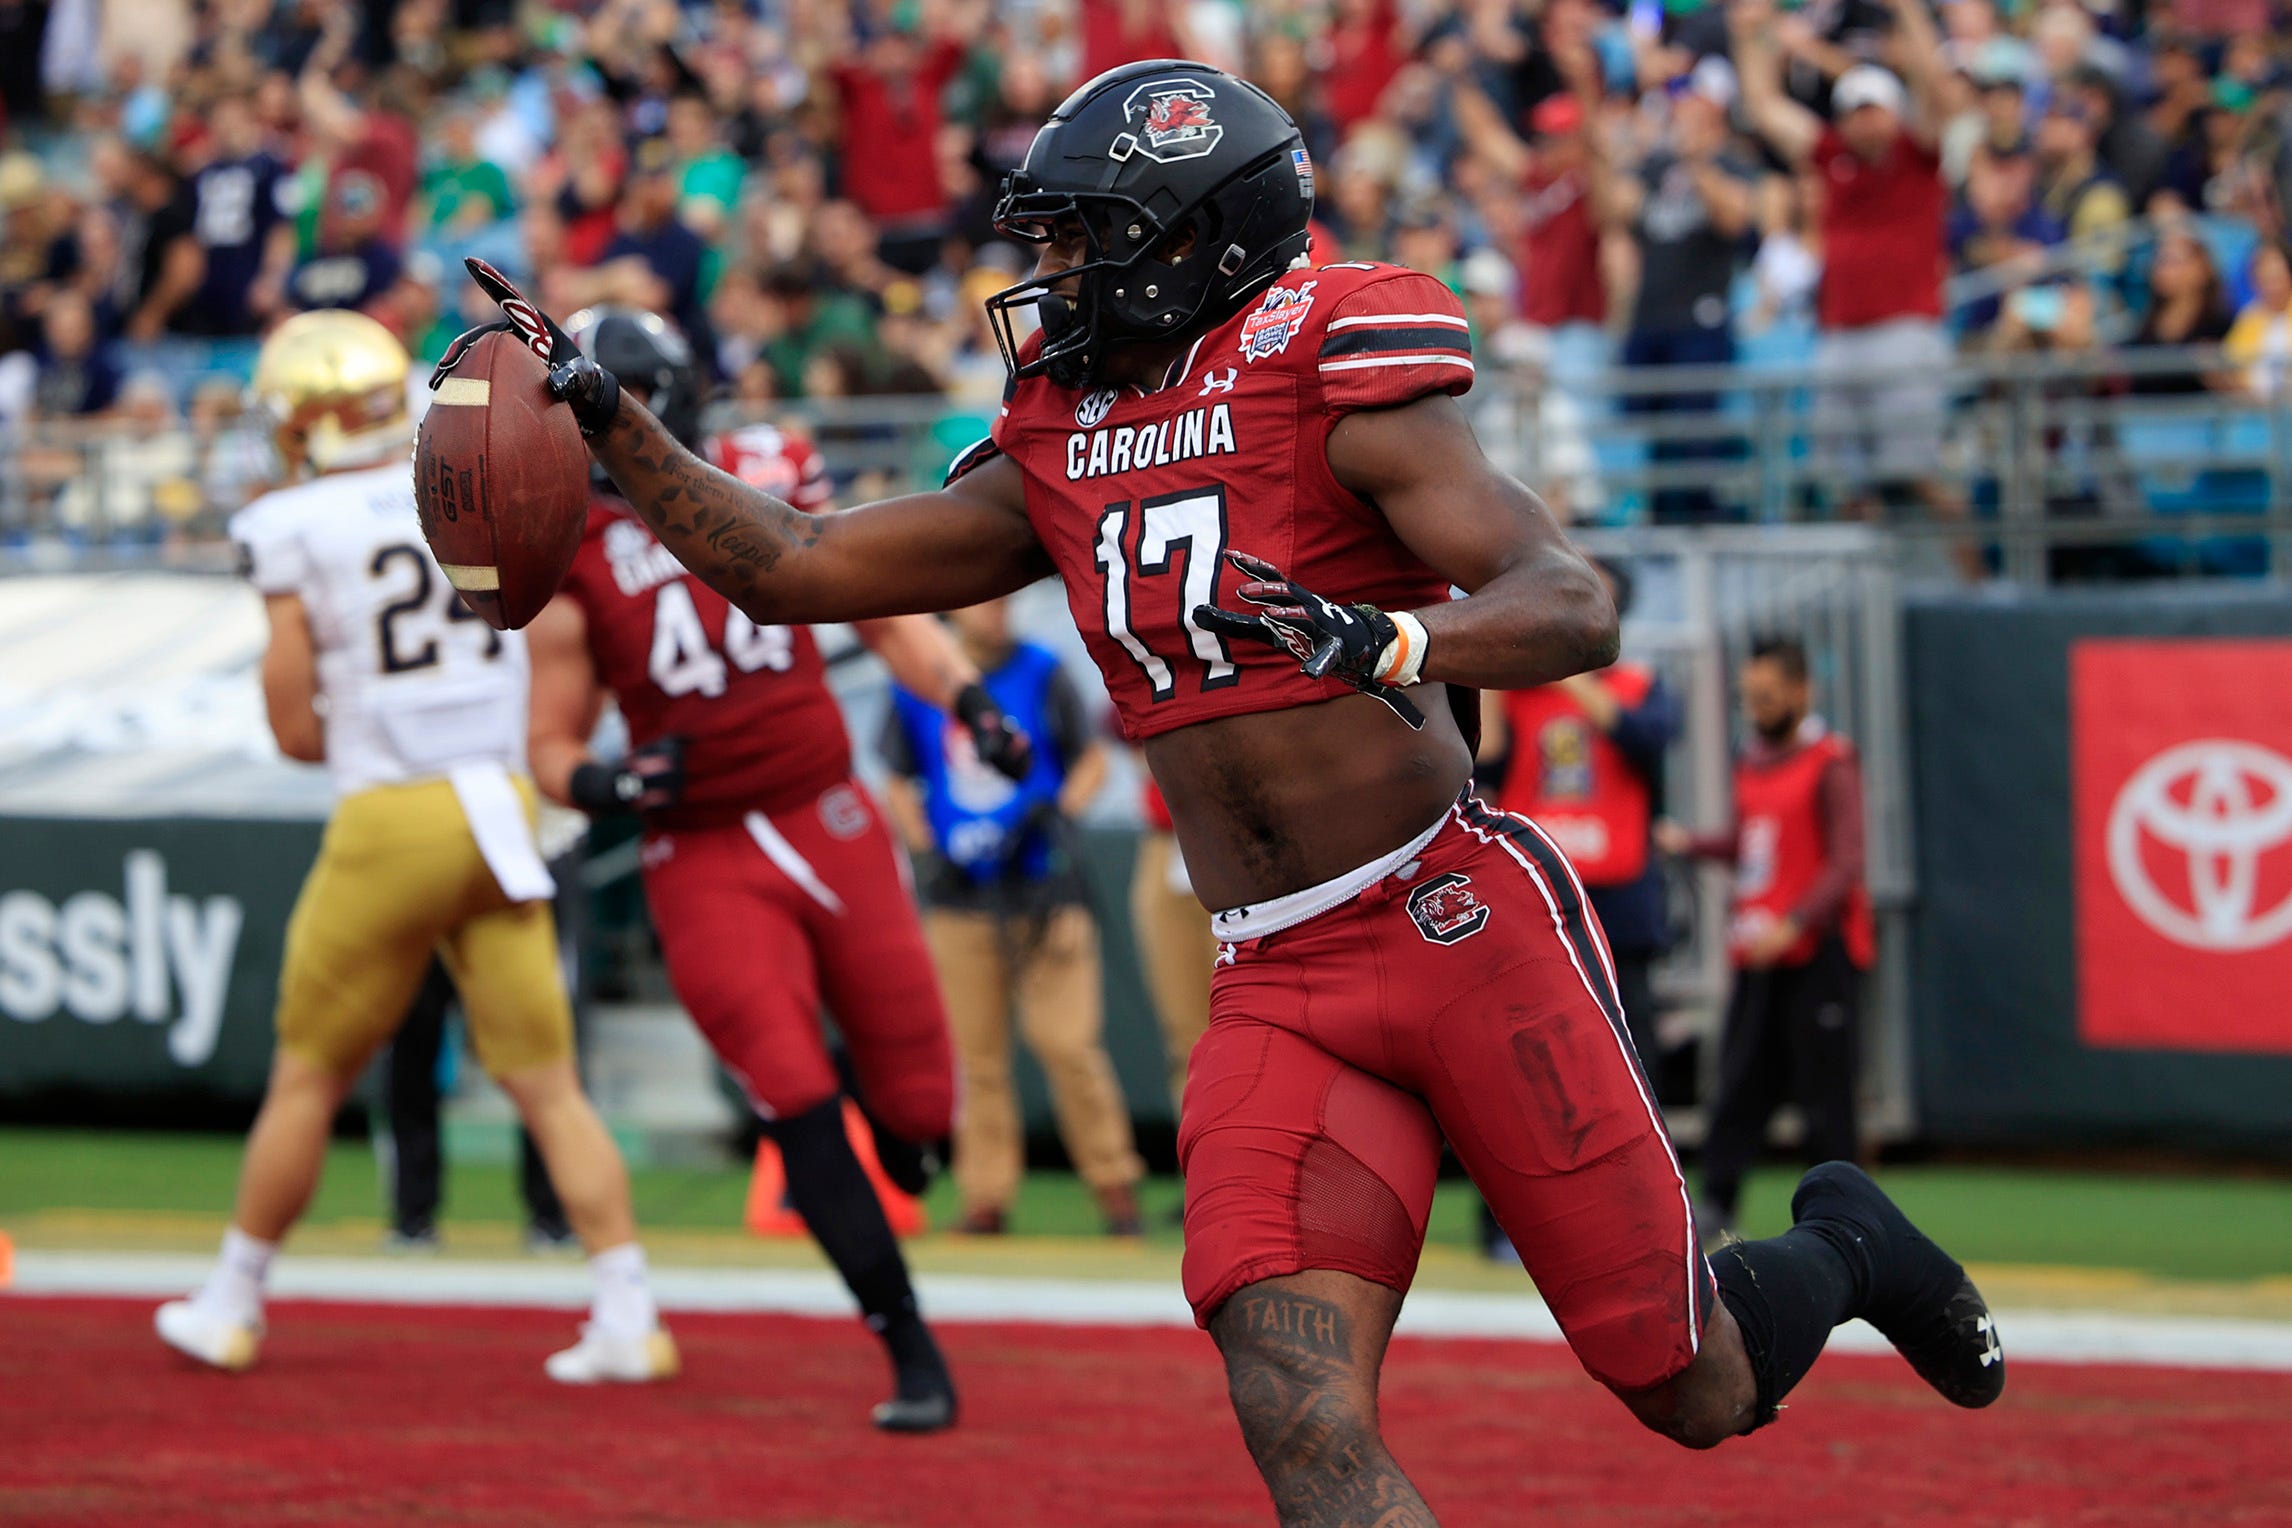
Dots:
{"x": 603, "y": 1357}
{"x": 215, "y": 1340}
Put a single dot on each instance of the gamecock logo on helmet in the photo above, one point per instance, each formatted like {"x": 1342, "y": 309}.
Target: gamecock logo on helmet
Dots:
{"x": 1171, "y": 120}
{"x": 1445, "y": 910}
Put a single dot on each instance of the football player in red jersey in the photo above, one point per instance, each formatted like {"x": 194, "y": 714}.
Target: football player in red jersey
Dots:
{"x": 773, "y": 881}
{"x": 1258, "y": 489}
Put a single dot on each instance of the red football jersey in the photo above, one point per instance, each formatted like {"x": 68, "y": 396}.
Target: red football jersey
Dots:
{"x": 762, "y": 732}
{"x": 786, "y": 466}
{"x": 1138, "y": 495}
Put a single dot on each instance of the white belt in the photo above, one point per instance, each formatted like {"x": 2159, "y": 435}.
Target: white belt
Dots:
{"x": 1236, "y": 924}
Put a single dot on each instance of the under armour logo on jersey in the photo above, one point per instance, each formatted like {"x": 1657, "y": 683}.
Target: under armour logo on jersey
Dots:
{"x": 1215, "y": 381}
{"x": 1445, "y": 910}
{"x": 1992, "y": 1353}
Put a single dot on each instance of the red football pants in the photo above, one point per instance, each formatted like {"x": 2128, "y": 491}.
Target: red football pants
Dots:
{"x": 762, "y": 919}
{"x": 1468, "y": 994}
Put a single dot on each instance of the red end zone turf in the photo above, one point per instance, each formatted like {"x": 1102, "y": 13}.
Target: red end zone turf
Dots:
{"x": 379, "y": 1414}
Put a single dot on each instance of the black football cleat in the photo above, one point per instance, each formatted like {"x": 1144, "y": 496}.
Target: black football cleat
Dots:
{"x": 1920, "y": 1299}
{"x": 924, "y": 1398}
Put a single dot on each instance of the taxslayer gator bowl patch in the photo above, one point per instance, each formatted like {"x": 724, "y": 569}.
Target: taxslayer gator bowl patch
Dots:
{"x": 1172, "y": 120}
{"x": 1269, "y": 330}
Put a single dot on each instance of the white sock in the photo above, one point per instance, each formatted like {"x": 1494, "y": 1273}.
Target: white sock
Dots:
{"x": 624, "y": 1303}
{"x": 235, "y": 1288}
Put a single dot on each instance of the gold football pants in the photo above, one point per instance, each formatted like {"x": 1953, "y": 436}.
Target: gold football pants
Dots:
{"x": 399, "y": 876}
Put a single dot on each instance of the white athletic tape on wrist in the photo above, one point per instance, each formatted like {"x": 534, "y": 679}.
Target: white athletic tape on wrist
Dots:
{"x": 1402, "y": 662}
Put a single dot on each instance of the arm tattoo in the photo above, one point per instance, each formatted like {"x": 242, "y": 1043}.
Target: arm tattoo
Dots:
{"x": 1309, "y": 1414}
{"x": 733, "y": 536}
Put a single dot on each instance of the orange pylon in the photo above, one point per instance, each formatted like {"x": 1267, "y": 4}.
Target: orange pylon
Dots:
{"x": 770, "y": 1214}
{"x": 7, "y": 1260}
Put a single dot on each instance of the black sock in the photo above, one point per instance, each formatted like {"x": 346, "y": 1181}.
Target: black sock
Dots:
{"x": 1787, "y": 1293}
{"x": 829, "y": 1188}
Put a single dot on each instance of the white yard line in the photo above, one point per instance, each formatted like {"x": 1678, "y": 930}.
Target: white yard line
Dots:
{"x": 2056, "y": 1336}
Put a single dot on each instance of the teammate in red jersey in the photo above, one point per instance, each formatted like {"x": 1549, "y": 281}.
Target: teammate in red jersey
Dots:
{"x": 1200, "y": 439}
{"x": 773, "y": 882}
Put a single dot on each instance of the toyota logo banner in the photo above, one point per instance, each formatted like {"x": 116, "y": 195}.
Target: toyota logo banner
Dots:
{"x": 2182, "y": 785}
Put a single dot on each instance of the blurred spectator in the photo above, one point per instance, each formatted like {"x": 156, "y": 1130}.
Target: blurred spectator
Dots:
{"x": 1999, "y": 125}
{"x": 245, "y": 239}
{"x": 2187, "y": 306}
{"x": 2182, "y": 91}
{"x": 2260, "y": 340}
{"x": 1883, "y": 347}
{"x": 23, "y": 26}
{"x": 653, "y": 261}
{"x": 709, "y": 175}
{"x": 354, "y": 264}
{"x": 161, "y": 265}
{"x": 1366, "y": 46}
{"x": 1786, "y": 274}
{"x": 583, "y": 176}
{"x": 1559, "y": 247}
{"x": 1687, "y": 206}
{"x": 2074, "y": 187}
{"x": 1115, "y": 32}
{"x": 888, "y": 91}
{"x": 804, "y": 318}
{"x": 1009, "y": 923}
{"x": 1998, "y": 228}
{"x": 370, "y": 132}
{"x": 461, "y": 191}
{"x": 1425, "y": 239}
{"x": 24, "y": 231}
{"x": 148, "y": 468}
{"x": 2132, "y": 151}
{"x": 76, "y": 378}
{"x": 239, "y": 463}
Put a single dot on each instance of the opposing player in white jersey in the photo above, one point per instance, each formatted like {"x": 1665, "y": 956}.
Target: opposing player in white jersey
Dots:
{"x": 417, "y": 709}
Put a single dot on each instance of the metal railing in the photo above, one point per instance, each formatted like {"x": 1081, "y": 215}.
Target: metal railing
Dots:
{"x": 2031, "y": 459}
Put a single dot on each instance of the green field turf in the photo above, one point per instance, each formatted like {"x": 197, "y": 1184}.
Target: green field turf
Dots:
{"x": 2181, "y": 1226}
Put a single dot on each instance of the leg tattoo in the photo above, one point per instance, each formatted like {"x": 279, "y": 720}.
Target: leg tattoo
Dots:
{"x": 1309, "y": 1414}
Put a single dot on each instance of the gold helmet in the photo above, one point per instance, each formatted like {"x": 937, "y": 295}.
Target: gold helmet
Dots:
{"x": 334, "y": 384}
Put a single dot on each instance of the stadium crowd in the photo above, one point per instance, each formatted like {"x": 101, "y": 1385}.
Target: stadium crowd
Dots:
{"x": 807, "y": 186}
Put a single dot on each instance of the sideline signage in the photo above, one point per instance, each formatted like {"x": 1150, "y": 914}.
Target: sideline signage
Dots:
{"x": 141, "y": 957}
{"x": 2182, "y": 782}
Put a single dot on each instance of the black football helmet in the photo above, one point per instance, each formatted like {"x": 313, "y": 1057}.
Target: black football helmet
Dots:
{"x": 645, "y": 351}
{"x": 1140, "y": 156}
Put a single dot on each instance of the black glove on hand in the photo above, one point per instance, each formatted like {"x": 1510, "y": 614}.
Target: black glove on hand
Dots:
{"x": 999, "y": 741}
{"x": 593, "y": 393}
{"x": 1344, "y": 642}
{"x": 650, "y": 778}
